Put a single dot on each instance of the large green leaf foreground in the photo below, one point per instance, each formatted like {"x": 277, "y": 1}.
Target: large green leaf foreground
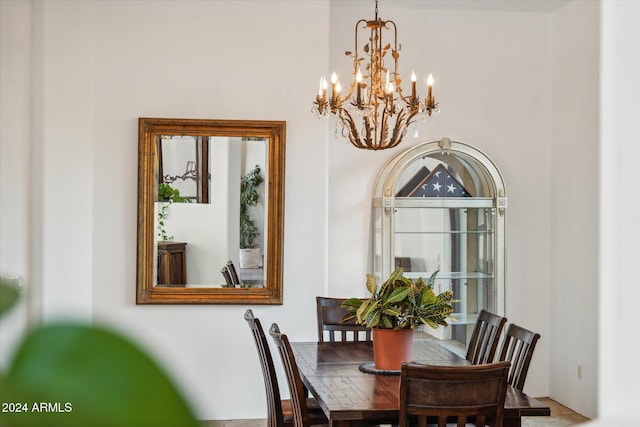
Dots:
{"x": 8, "y": 295}
{"x": 74, "y": 375}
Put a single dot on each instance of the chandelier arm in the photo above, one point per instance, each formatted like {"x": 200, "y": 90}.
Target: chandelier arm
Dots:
{"x": 373, "y": 119}
{"x": 349, "y": 123}
{"x": 347, "y": 96}
{"x": 373, "y": 66}
{"x": 380, "y": 51}
{"x": 356, "y": 57}
{"x": 408, "y": 122}
{"x": 364, "y": 21}
{"x": 384, "y": 130}
{"x": 367, "y": 127}
{"x": 336, "y": 106}
{"x": 395, "y": 53}
{"x": 401, "y": 123}
{"x": 412, "y": 103}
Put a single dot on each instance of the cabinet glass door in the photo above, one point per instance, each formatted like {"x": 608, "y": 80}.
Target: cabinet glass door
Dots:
{"x": 441, "y": 209}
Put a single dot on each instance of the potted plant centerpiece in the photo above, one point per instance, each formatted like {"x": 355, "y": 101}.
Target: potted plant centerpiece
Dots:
{"x": 249, "y": 196}
{"x": 394, "y": 310}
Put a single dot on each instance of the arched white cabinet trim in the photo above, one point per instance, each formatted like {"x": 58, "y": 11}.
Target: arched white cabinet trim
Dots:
{"x": 441, "y": 205}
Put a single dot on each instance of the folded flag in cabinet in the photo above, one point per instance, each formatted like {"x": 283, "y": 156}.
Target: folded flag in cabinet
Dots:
{"x": 439, "y": 183}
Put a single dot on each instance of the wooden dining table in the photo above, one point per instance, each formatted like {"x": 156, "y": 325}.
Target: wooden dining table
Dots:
{"x": 353, "y": 396}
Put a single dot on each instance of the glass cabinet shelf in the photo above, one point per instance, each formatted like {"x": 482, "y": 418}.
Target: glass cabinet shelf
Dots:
{"x": 457, "y": 202}
{"x": 452, "y": 275}
{"x": 441, "y": 206}
{"x": 445, "y": 232}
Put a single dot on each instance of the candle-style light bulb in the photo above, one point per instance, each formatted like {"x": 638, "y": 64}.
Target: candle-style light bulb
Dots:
{"x": 320, "y": 89}
{"x": 429, "y": 85}
{"x": 334, "y": 82}
{"x": 389, "y": 88}
{"x": 338, "y": 88}
{"x": 413, "y": 86}
{"x": 358, "y": 86}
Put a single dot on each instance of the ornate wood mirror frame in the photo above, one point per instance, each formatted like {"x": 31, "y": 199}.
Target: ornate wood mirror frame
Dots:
{"x": 150, "y": 130}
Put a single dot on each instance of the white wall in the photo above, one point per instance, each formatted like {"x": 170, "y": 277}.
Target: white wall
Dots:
{"x": 491, "y": 72}
{"x": 573, "y": 207}
{"x": 100, "y": 66}
{"x": 619, "y": 293}
{"x": 225, "y": 63}
{"x": 15, "y": 133}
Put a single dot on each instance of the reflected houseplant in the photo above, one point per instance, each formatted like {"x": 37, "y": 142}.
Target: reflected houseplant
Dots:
{"x": 166, "y": 196}
{"x": 249, "y": 197}
{"x": 394, "y": 310}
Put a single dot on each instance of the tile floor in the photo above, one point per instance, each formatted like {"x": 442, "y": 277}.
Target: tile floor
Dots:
{"x": 561, "y": 416}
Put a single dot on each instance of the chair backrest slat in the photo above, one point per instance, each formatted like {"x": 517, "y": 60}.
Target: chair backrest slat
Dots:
{"x": 517, "y": 347}
{"x": 233, "y": 273}
{"x": 329, "y": 313}
{"x": 485, "y": 337}
{"x": 473, "y": 393}
{"x": 296, "y": 387}
{"x": 274, "y": 404}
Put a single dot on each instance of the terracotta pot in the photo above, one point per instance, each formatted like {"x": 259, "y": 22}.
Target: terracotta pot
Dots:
{"x": 391, "y": 348}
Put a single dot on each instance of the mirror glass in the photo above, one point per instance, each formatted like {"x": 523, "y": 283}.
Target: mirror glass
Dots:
{"x": 210, "y": 211}
{"x": 183, "y": 165}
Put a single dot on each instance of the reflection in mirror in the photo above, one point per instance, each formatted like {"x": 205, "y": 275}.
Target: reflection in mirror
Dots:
{"x": 210, "y": 193}
{"x": 197, "y": 242}
{"x": 183, "y": 164}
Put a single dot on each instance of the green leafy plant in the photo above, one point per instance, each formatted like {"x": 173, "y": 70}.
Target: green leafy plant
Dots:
{"x": 249, "y": 196}
{"x": 76, "y": 375}
{"x": 169, "y": 195}
{"x": 9, "y": 294}
{"x": 400, "y": 303}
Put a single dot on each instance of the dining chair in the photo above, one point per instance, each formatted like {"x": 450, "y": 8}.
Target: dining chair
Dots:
{"x": 233, "y": 273}
{"x": 279, "y": 412}
{"x": 299, "y": 403}
{"x": 485, "y": 337}
{"x": 329, "y": 313}
{"x": 227, "y": 277}
{"x": 472, "y": 395}
{"x": 517, "y": 348}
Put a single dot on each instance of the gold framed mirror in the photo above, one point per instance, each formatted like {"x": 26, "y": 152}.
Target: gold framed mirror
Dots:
{"x": 190, "y": 225}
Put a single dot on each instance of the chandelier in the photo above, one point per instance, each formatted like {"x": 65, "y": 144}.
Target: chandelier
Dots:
{"x": 374, "y": 114}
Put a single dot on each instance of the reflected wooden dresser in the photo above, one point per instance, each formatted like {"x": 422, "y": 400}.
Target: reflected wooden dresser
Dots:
{"x": 172, "y": 263}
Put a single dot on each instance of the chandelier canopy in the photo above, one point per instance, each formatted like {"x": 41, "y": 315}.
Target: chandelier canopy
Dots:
{"x": 375, "y": 114}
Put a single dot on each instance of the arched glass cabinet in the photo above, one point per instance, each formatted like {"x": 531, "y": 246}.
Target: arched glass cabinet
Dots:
{"x": 441, "y": 206}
